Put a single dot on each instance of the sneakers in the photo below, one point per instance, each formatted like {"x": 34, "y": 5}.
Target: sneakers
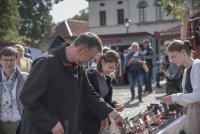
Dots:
{"x": 140, "y": 101}
{"x": 132, "y": 98}
{"x": 148, "y": 92}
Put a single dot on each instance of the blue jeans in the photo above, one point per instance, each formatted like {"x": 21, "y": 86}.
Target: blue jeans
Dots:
{"x": 132, "y": 76}
{"x": 157, "y": 78}
{"x": 148, "y": 77}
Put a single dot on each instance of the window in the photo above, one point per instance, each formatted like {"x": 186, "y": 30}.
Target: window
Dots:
{"x": 120, "y": 2}
{"x": 120, "y": 16}
{"x": 142, "y": 14}
{"x": 142, "y": 5}
{"x": 159, "y": 13}
{"x": 102, "y": 4}
{"x": 102, "y": 17}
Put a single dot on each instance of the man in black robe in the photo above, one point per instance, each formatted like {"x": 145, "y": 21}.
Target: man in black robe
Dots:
{"x": 56, "y": 86}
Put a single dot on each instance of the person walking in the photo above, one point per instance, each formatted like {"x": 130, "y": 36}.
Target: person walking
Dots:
{"x": 180, "y": 53}
{"x": 133, "y": 64}
{"x": 56, "y": 87}
{"x": 148, "y": 54}
{"x": 11, "y": 83}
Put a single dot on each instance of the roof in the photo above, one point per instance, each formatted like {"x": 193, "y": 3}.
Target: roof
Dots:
{"x": 68, "y": 28}
{"x": 78, "y": 27}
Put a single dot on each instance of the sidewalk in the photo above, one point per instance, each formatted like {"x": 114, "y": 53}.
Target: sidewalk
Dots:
{"x": 122, "y": 95}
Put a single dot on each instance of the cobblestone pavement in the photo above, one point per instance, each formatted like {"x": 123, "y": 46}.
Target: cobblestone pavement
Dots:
{"x": 122, "y": 95}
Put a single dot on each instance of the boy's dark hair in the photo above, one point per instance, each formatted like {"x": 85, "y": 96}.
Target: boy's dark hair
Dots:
{"x": 9, "y": 51}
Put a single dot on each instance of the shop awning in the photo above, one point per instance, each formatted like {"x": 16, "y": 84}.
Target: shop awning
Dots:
{"x": 168, "y": 34}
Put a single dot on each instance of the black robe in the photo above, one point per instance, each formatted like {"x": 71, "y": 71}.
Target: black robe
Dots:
{"x": 54, "y": 92}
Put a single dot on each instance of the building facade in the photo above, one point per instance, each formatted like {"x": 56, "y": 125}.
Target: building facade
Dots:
{"x": 107, "y": 16}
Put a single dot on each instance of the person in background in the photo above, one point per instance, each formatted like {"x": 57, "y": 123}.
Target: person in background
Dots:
{"x": 57, "y": 85}
{"x": 180, "y": 53}
{"x": 148, "y": 54}
{"x": 101, "y": 81}
{"x": 119, "y": 74}
{"x": 11, "y": 83}
{"x": 165, "y": 59}
{"x": 158, "y": 73}
{"x": 134, "y": 69}
{"x": 23, "y": 62}
{"x": 27, "y": 53}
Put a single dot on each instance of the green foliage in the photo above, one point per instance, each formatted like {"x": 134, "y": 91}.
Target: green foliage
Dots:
{"x": 37, "y": 21}
{"x": 9, "y": 22}
{"x": 173, "y": 7}
{"x": 25, "y": 21}
{"x": 83, "y": 15}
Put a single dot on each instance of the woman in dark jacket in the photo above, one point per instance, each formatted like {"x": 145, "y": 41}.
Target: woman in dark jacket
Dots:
{"x": 101, "y": 81}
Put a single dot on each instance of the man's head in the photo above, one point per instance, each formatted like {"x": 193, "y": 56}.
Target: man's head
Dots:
{"x": 146, "y": 43}
{"x": 8, "y": 57}
{"x": 86, "y": 47}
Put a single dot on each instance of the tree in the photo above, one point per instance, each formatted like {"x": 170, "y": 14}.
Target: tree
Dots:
{"x": 181, "y": 10}
{"x": 83, "y": 15}
{"x": 9, "y": 22}
{"x": 36, "y": 20}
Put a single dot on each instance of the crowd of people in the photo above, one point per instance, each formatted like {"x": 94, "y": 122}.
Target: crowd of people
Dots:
{"x": 57, "y": 94}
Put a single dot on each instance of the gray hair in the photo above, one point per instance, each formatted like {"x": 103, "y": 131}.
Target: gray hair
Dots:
{"x": 90, "y": 40}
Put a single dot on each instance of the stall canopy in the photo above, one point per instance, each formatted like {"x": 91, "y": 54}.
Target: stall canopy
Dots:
{"x": 168, "y": 34}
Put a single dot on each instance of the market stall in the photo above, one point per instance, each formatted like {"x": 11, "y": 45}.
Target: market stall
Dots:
{"x": 157, "y": 119}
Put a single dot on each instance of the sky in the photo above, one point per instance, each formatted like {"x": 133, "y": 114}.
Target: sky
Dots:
{"x": 67, "y": 9}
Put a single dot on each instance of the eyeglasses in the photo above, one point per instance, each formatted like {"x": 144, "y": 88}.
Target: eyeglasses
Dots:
{"x": 174, "y": 56}
{"x": 113, "y": 69}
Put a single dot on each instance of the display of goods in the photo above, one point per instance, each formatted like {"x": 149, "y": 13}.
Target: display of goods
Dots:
{"x": 151, "y": 121}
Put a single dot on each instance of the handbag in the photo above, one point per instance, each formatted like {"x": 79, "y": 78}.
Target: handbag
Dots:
{"x": 108, "y": 127}
{"x": 134, "y": 66}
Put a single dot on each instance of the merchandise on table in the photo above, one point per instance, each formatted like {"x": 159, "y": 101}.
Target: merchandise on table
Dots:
{"x": 154, "y": 119}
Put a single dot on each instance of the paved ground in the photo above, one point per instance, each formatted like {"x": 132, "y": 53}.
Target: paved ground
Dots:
{"x": 122, "y": 95}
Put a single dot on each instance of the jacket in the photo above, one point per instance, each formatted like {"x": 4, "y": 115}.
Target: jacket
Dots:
{"x": 90, "y": 123}
{"x": 191, "y": 100}
{"x": 21, "y": 77}
{"x": 53, "y": 92}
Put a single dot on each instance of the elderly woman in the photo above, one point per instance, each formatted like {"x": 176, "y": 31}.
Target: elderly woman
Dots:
{"x": 180, "y": 54}
{"x": 11, "y": 82}
{"x": 133, "y": 64}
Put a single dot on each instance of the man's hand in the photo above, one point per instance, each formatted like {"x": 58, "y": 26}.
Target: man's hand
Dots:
{"x": 168, "y": 100}
{"x": 58, "y": 129}
{"x": 119, "y": 120}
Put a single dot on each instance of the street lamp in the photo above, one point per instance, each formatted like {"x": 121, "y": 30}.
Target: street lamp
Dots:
{"x": 127, "y": 23}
